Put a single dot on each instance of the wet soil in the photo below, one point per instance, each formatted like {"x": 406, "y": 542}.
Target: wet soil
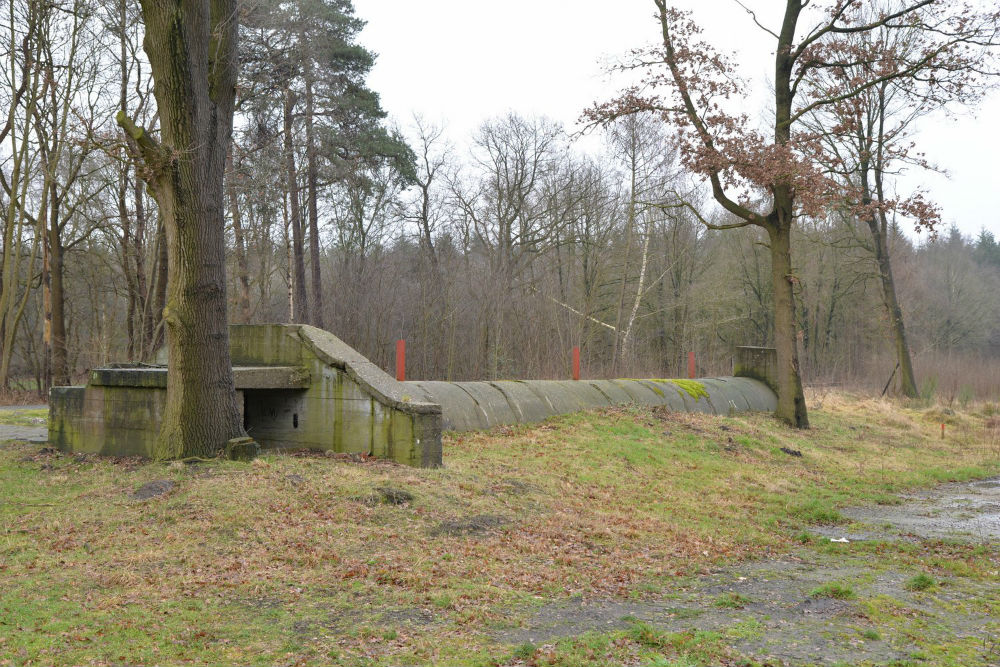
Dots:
{"x": 968, "y": 511}
{"x": 784, "y": 617}
{"x": 33, "y": 434}
{"x": 36, "y": 433}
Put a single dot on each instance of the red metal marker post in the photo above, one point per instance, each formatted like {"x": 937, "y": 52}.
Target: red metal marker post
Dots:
{"x": 691, "y": 365}
{"x": 576, "y": 362}
{"x": 401, "y": 360}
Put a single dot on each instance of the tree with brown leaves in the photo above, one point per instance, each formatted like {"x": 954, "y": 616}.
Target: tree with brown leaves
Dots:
{"x": 694, "y": 88}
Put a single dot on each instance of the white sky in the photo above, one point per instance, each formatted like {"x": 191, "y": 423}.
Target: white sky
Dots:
{"x": 461, "y": 62}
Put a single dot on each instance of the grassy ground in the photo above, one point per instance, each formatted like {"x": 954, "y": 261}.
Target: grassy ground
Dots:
{"x": 14, "y": 416}
{"x": 322, "y": 560}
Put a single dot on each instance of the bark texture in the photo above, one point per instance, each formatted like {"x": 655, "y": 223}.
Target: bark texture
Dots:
{"x": 192, "y": 52}
{"x": 300, "y": 304}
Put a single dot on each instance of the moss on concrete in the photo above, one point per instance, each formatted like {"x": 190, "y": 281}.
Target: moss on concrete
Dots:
{"x": 693, "y": 388}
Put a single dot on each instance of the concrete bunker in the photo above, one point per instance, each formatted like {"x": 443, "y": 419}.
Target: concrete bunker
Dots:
{"x": 300, "y": 387}
{"x": 304, "y": 388}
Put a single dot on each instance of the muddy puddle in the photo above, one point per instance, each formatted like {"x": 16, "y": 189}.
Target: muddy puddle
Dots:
{"x": 966, "y": 511}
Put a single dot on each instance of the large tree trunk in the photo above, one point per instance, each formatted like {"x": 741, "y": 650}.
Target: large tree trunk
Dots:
{"x": 300, "y": 304}
{"x": 192, "y": 52}
{"x": 791, "y": 400}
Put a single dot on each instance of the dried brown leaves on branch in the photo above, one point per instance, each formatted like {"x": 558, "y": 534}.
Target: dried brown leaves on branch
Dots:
{"x": 938, "y": 51}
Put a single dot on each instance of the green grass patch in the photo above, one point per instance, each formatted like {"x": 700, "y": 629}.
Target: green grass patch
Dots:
{"x": 920, "y": 582}
{"x": 837, "y": 590}
{"x": 731, "y": 600}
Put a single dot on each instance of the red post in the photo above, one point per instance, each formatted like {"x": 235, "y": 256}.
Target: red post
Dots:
{"x": 401, "y": 360}
{"x": 691, "y": 365}
{"x": 942, "y": 431}
{"x": 576, "y": 362}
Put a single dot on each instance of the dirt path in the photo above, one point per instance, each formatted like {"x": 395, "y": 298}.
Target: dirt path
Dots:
{"x": 834, "y": 602}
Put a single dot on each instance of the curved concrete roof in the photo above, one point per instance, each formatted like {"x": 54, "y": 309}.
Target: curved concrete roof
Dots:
{"x": 468, "y": 406}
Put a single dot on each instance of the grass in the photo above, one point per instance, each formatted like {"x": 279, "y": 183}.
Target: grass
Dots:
{"x": 282, "y": 561}
{"x": 920, "y": 582}
{"x": 24, "y": 417}
{"x": 834, "y": 589}
{"x": 731, "y": 601}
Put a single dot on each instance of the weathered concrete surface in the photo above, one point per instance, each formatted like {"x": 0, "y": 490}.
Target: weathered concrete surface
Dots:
{"x": 462, "y": 412}
{"x": 468, "y": 406}
{"x": 524, "y": 402}
{"x": 245, "y": 377}
{"x": 963, "y": 511}
{"x": 759, "y": 363}
{"x": 301, "y": 387}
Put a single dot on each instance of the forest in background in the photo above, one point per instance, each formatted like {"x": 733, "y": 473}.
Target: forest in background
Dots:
{"x": 492, "y": 259}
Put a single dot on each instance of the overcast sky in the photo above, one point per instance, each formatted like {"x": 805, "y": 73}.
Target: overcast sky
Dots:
{"x": 461, "y": 62}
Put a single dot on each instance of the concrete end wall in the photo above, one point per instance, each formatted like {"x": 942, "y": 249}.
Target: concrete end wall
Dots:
{"x": 759, "y": 363}
{"x": 111, "y": 421}
{"x": 469, "y": 406}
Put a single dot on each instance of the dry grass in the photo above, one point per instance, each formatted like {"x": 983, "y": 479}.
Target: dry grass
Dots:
{"x": 294, "y": 559}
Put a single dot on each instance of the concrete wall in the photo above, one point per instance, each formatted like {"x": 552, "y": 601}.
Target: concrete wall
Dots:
{"x": 467, "y": 406}
{"x": 759, "y": 363}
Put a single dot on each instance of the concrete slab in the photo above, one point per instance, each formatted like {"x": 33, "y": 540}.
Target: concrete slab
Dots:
{"x": 561, "y": 400}
{"x": 615, "y": 394}
{"x": 758, "y": 395}
{"x": 244, "y": 377}
{"x": 586, "y": 393}
{"x": 702, "y": 404}
{"x": 671, "y": 394}
{"x": 491, "y": 401}
{"x": 525, "y": 403}
{"x": 640, "y": 393}
{"x": 459, "y": 411}
{"x": 726, "y": 398}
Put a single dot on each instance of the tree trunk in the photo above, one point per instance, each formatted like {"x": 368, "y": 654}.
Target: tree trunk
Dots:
{"x": 907, "y": 378}
{"x": 59, "y": 367}
{"x": 192, "y": 53}
{"x": 160, "y": 293}
{"x": 243, "y": 272}
{"x": 312, "y": 176}
{"x": 791, "y": 400}
{"x": 879, "y": 228}
{"x": 300, "y": 305}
